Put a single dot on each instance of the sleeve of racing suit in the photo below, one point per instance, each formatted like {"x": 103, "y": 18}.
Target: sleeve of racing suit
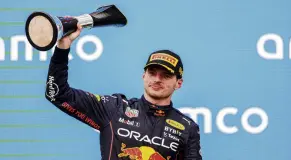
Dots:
{"x": 94, "y": 110}
{"x": 192, "y": 150}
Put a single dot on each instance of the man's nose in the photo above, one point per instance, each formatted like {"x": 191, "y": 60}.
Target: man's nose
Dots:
{"x": 158, "y": 77}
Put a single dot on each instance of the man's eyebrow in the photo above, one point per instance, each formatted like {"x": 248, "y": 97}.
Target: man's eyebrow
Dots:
{"x": 168, "y": 73}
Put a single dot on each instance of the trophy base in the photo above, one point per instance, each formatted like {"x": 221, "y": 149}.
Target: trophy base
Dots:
{"x": 41, "y": 31}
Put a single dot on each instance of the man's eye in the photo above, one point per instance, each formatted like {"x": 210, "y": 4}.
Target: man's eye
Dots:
{"x": 151, "y": 72}
{"x": 167, "y": 76}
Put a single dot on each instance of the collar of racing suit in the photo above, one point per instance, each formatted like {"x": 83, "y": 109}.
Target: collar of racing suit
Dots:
{"x": 156, "y": 109}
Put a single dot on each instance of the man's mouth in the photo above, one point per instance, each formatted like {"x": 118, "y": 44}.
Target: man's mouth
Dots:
{"x": 156, "y": 87}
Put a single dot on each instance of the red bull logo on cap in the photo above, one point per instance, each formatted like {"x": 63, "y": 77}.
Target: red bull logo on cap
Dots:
{"x": 140, "y": 153}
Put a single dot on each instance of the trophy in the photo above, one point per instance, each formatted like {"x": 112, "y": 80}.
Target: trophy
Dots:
{"x": 43, "y": 30}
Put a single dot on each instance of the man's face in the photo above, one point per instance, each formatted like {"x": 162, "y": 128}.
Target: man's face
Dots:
{"x": 159, "y": 83}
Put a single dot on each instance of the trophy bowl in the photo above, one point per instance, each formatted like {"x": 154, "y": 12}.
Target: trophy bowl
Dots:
{"x": 44, "y": 30}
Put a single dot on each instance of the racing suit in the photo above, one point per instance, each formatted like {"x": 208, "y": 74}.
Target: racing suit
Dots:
{"x": 129, "y": 128}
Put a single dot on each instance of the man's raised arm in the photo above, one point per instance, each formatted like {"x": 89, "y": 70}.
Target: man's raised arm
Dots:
{"x": 94, "y": 110}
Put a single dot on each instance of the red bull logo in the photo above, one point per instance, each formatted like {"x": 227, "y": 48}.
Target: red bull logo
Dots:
{"x": 141, "y": 153}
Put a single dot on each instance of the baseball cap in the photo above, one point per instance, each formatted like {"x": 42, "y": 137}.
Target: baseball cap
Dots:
{"x": 167, "y": 59}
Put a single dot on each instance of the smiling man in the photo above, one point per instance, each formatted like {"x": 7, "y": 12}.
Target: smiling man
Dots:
{"x": 163, "y": 75}
{"x": 145, "y": 128}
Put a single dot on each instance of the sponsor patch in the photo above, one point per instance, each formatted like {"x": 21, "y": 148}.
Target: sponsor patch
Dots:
{"x": 175, "y": 124}
{"x": 131, "y": 112}
{"x": 156, "y": 140}
{"x": 164, "y": 57}
{"x": 139, "y": 153}
{"x": 159, "y": 113}
{"x": 52, "y": 88}
{"x": 129, "y": 122}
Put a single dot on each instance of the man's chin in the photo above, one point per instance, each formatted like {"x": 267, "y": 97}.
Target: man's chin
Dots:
{"x": 157, "y": 95}
{"x": 154, "y": 96}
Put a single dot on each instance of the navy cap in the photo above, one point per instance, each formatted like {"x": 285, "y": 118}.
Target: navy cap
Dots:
{"x": 167, "y": 59}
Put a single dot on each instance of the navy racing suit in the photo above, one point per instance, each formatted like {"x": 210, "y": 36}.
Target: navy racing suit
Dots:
{"x": 129, "y": 128}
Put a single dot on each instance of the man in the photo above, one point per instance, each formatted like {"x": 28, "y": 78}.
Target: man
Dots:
{"x": 146, "y": 128}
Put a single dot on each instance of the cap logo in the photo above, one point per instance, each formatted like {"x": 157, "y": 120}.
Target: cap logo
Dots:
{"x": 164, "y": 57}
{"x": 181, "y": 71}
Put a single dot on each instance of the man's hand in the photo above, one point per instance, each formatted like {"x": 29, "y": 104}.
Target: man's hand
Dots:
{"x": 65, "y": 42}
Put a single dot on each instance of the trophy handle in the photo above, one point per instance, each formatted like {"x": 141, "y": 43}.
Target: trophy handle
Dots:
{"x": 69, "y": 25}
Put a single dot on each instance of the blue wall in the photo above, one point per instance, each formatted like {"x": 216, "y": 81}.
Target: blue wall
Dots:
{"x": 236, "y": 83}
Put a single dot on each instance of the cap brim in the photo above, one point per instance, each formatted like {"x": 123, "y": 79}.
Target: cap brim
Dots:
{"x": 155, "y": 63}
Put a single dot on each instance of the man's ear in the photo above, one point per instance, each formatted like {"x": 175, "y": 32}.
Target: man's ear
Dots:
{"x": 179, "y": 83}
